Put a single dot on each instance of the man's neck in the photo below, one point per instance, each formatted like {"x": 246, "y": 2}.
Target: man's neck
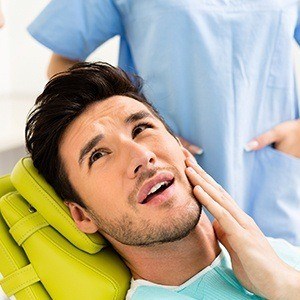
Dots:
{"x": 176, "y": 262}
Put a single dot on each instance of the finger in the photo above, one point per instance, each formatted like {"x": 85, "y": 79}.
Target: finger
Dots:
{"x": 189, "y": 155}
{"x": 183, "y": 142}
{"x": 232, "y": 245}
{"x": 225, "y": 219}
{"x": 219, "y": 231}
{"x": 218, "y": 194}
{"x": 195, "y": 150}
{"x": 222, "y": 236}
{"x": 262, "y": 141}
{"x": 230, "y": 206}
{"x": 207, "y": 177}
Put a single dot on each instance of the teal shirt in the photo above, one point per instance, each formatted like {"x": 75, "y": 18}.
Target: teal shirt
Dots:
{"x": 216, "y": 281}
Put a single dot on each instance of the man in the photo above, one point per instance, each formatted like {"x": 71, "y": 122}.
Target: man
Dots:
{"x": 123, "y": 173}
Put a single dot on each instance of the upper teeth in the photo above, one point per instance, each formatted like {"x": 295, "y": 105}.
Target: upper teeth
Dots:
{"x": 157, "y": 186}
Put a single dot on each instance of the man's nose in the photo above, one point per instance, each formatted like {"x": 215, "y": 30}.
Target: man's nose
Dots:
{"x": 140, "y": 159}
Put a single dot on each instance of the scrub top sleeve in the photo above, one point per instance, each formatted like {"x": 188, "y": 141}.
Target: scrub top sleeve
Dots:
{"x": 75, "y": 28}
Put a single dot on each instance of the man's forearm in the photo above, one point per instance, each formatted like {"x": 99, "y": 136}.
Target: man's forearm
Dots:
{"x": 58, "y": 64}
{"x": 288, "y": 286}
{"x": 293, "y": 288}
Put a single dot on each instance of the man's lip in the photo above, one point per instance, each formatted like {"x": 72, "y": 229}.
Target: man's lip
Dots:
{"x": 145, "y": 189}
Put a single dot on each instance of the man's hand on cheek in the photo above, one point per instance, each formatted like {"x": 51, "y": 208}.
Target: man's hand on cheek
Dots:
{"x": 255, "y": 263}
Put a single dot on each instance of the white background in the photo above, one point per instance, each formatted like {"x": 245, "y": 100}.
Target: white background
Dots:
{"x": 23, "y": 64}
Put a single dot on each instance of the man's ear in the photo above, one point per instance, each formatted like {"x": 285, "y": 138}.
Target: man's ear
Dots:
{"x": 82, "y": 218}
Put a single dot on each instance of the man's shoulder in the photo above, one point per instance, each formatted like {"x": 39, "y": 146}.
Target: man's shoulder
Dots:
{"x": 287, "y": 252}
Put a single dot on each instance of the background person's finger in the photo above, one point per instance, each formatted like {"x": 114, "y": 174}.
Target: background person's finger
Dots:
{"x": 262, "y": 140}
{"x": 192, "y": 148}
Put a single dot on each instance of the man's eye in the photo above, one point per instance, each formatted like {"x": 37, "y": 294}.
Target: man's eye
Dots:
{"x": 139, "y": 128}
{"x": 98, "y": 153}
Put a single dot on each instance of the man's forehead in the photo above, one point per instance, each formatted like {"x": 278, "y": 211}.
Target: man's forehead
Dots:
{"x": 115, "y": 108}
{"x": 101, "y": 115}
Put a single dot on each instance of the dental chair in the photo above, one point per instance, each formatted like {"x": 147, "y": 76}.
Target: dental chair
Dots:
{"x": 42, "y": 253}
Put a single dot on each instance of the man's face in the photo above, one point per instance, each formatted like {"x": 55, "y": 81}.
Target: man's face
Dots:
{"x": 130, "y": 172}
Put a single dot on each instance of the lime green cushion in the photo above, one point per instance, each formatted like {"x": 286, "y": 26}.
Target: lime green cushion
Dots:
{"x": 13, "y": 258}
{"x": 55, "y": 258}
{"x": 5, "y": 185}
{"x": 33, "y": 187}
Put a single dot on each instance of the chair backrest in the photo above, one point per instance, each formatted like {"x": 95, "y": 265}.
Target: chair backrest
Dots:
{"x": 44, "y": 254}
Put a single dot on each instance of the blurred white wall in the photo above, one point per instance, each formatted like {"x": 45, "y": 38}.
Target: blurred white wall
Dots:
{"x": 23, "y": 60}
{"x": 23, "y": 64}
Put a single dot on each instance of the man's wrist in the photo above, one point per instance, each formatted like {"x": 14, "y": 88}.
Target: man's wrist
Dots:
{"x": 291, "y": 289}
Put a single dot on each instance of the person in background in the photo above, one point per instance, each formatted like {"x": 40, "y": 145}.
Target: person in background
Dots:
{"x": 220, "y": 72}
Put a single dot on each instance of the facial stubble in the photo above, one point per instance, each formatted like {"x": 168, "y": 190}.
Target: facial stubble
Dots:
{"x": 135, "y": 231}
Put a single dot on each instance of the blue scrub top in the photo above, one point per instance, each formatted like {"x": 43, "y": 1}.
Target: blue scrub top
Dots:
{"x": 219, "y": 71}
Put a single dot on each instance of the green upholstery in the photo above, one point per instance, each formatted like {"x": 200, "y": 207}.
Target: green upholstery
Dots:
{"x": 42, "y": 253}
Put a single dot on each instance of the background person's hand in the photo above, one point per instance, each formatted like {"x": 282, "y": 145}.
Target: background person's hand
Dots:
{"x": 254, "y": 262}
{"x": 285, "y": 137}
{"x": 192, "y": 148}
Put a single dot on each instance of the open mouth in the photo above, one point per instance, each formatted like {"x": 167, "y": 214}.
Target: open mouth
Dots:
{"x": 157, "y": 190}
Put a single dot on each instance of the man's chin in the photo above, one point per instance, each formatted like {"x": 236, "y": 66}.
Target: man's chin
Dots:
{"x": 148, "y": 232}
{"x": 174, "y": 230}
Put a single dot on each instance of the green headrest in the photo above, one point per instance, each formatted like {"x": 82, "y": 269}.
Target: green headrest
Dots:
{"x": 43, "y": 255}
{"x": 5, "y": 185}
{"x": 34, "y": 188}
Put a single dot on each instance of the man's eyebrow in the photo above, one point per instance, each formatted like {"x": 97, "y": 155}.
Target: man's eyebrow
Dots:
{"x": 89, "y": 146}
{"x": 142, "y": 114}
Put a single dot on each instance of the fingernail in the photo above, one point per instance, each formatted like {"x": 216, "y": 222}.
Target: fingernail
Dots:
{"x": 190, "y": 169}
{"x": 195, "y": 150}
{"x": 199, "y": 188}
{"x": 251, "y": 146}
{"x": 192, "y": 160}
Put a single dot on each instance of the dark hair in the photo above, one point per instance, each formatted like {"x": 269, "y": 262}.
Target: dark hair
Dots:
{"x": 65, "y": 97}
